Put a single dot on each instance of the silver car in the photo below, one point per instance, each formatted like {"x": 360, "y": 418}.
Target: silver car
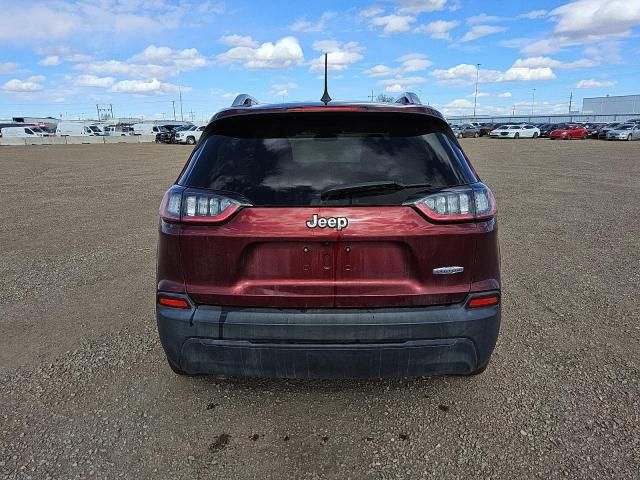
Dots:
{"x": 627, "y": 131}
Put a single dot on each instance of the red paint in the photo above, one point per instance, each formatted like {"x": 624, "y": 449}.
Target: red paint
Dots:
{"x": 268, "y": 257}
{"x": 569, "y": 133}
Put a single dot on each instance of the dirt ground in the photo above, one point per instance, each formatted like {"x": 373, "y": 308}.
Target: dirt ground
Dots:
{"x": 85, "y": 391}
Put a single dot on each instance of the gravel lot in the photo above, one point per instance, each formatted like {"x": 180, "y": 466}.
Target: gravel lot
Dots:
{"x": 85, "y": 391}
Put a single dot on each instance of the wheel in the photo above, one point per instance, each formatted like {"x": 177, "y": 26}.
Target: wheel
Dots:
{"x": 517, "y": 136}
{"x": 191, "y": 141}
{"x": 629, "y": 137}
{"x": 459, "y": 135}
{"x": 157, "y": 140}
{"x": 476, "y": 135}
{"x": 584, "y": 137}
{"x": 535, "y": 134}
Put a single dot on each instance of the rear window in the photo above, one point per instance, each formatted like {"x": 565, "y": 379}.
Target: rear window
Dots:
{"x": 289, "y": 159}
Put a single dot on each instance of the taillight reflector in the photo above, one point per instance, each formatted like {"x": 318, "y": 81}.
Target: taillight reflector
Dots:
{"x": 487, "y": 301}
{"x": 173, "y": 302}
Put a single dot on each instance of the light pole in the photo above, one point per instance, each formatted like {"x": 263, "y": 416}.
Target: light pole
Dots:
{"x": 533, "y": 100}
{"x": 475, "y": 97}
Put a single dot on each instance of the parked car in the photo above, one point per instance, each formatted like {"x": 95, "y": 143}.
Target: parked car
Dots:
{"x": 164, "y": 135}
{"x": 516, "y": 131}
{"x": 546, "y": 128}
{"x": 486, "y": 128}
{"x": 76, "y": 129}
{"x": 628, "y": 131}
{"x": 570, "y": 131}
{"x": 146, "y": 129}
{"x": 380, "y": 260}
{"x": 22, "y": 132}
{"x": 602, "y": 134}
{"x": 466, "y": 130}
{"x": 190, "y": 136}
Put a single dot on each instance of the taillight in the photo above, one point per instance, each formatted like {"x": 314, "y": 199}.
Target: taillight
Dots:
{"x": 196, "y": 206}
{"x": 475, "y": 202}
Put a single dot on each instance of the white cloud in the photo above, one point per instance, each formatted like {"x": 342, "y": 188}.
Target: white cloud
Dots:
{"x": 582, "y": 18}
{"x": 533, "y": 14}
{"x": 93, "y": 81}
{"x": 525, "y": 74}
{"x": 393, "y": 23}
{"x": 371, "y": 12}
{"x": 144, "y": 87}
{"x": 30, "y": 85}
{"x": 480, "y": 95}
{"x": 591, "y": 83}
{"x": 38, "y": 20}
{"x": 340, "y": 55}
{"x": 8, "y": 67}
{"x": 152, "y": 62}
{"x": 586, "y": 22}
{"x": 505, "y": 95}
{"x": 465, "y": 74}
{"x": 284, "y": 53}
{"x": 238, "y": 41}
{"x": 49, "y": 61}
{"x": 413, "y": 62}
{"x": 459, "y": 103}
{"x": 282, "y": 89}
{"x": 304, "y": 25}
{"x": 400, "y": 84}
{"x": 541, "y": 62}
{"x": 479, "y": 31}
{"x": 395, "y": 88}
{"x": 438, "y": 29}
{"x": 484, "y": 18}
{"x": 420, "y": 6}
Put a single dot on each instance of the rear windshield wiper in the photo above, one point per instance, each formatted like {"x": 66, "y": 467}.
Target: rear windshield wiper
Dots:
{"x": 368, "y": 188}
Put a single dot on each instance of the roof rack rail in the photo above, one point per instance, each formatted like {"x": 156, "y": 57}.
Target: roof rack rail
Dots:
{"x": 408, "y": 98}
{"x": 244, "y": 100}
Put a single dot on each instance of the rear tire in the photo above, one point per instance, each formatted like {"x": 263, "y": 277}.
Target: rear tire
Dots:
{"x": 516, "y": 136}
{"x": 629, "y": 138}
{"x": 476, "y": 135}
{"x": 191, "y": 141}
{"x": 459, "y": 135}
{"x": 535, "y": 135}
{"x": 584, "y": 137}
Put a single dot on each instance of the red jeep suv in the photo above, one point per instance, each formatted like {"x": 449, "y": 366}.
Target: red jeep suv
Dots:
{"x": 328, "y": 240}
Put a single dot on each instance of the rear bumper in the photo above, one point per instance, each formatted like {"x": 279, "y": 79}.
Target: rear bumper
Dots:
{"x": 328, "y": 343}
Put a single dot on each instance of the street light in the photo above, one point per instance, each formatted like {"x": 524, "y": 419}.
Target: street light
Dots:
{"x": 475, "y": 98}
{"x": 533, "y": 100}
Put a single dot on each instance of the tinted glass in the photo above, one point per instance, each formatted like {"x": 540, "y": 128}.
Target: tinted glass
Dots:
{"x": 290, "y": 159}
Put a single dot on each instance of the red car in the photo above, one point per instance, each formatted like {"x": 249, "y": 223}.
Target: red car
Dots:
{"x": 569, "y": 132}
{"x": 328, "y": 240}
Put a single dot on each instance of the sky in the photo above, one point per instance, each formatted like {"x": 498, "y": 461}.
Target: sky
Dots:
{"x": 61, "y": 58}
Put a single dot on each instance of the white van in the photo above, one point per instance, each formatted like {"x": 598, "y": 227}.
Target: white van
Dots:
{"x": 146, "y": 129}
{"x": 21, "y": 132}
{"x": 74, "y": 129}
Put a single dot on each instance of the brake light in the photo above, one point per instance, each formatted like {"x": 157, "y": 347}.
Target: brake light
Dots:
{"x": 487, "y": 301}
{"x": 173, "y": 302}
{"x": 196, "y": 206}
{"x": 458, "y": 204}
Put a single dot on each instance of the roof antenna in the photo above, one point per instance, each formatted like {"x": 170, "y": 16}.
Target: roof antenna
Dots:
{"x": 325, "y": 96}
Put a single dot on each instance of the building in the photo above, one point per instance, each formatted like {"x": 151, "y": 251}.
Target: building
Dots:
{"x": 609, "y": 105}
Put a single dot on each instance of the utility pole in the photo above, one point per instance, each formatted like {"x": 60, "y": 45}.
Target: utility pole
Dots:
{"x": 98, "y": 110}
{"x": 173, "y": 102}
{"x": 513, "y": 112}
{"x": 475, "y": 98}
{"x": 371, "y": 97}
{"x": 570, "y": 101}
{"x": 533, "y": 100}
{"x": 181, "y": 114}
